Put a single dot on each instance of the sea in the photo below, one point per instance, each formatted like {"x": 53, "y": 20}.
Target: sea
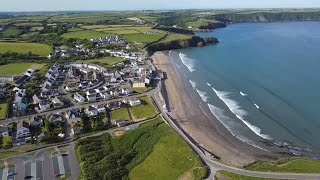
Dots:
{"x": 262, "y": 82}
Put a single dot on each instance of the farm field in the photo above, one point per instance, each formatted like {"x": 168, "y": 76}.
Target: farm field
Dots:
{"x": 173, "y": 37}
{"x": 147, "y": 38}
{"x": 121, "y": 113}
{"x": 144, "y": 111}
{"x": 105, "y": 62}
{"x": 86, "y": 34}
{"x": 196, "y": 24}
{"x": 11, "y": 31}
{"x": 3, "y": 111}
{"x": 18, "y": 68}
{"x": 35, "y": 48}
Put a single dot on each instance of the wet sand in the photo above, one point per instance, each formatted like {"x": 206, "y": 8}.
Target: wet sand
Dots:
{"x": 201, "y": 125}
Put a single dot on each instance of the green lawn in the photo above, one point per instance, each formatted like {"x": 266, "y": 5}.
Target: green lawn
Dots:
{"x": 3, "y": 111}
{"x": 74, "y": 29}
{"x": 105, "y": 62}
{"x": 144, "y": 111}
{"x": 141, "y": 90}
{"x": 85, "y": 34}
{"x": 19, "y": 68}
{"x": 233, "y": 176}
{"x": 171, "y": 158}
{"x": 173, "y": 37}
{"x": 143, "y": 37}
{"x": 121, "y": 113}
{"x": 35, "y": 48}
{"x": 296, "y": 165}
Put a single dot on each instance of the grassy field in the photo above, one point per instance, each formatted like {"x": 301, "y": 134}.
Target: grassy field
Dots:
{"x": 141, "y": 90}
{"x": 296, "y": 165}
{"x": 147, "y": 38}
{"x": 35, "y": 48}
{"x": 19, "y": 68}
{"x": 105, "y": 62}
{"x": 6, "y": 154}
{"x": 3, "y": 111}
{"x": 173, "y": 37}
{"x": 74, "y": 29}
{"x": 86, "y": 34}
{"x": 144, "y": 111}
{"x": 204, "y": 22}
{"x": 233, "y": 176}
{"x": 11, "y": 31}
{"x": 120, "y": 114}
{"x": 171, "y": 158}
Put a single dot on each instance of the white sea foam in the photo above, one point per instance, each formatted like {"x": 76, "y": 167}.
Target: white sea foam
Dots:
{"x": 187, "y": 62}
{"x": 240, "y": 113}
{"x": 219, "y": 114}
{"x": 208, "y": 84}
{"x": 193, "y": 84}
{"x": 227, "y": 123}
{"x": 243, "y": 94}
{"x": 256, "y": 106}
{"x": 203, "y": 95}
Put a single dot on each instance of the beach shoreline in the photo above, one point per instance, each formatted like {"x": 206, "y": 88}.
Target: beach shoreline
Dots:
{"x": 197, "y": 120}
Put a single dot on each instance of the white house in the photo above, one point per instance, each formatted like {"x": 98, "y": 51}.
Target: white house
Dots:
{"x": 134, "y": 102}
{"x": 100, "y": 108}
{"x": 79, "y": 98}
{"x": 72, "y": 87}
{"x": 92, "y": 111}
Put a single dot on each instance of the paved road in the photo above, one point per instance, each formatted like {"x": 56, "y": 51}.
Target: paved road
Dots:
{"x": 17, "y": 119}
{"x": 214, "y": 165}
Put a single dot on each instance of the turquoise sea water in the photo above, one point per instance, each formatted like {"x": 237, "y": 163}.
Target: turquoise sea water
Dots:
{"x": 262, "y": 82}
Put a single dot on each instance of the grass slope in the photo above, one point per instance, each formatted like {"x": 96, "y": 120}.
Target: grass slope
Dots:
{"x": 170, "y": 158}
{"x": 296, "y": 165}
{"x": 11, "y": 31}
{"x": 104, "y": 157}
{"x": 35, "y": 48}
{"x": 143, "y": 37}
{"x": 174, "y": 37}
{"x": 105, "y": 62}
{"x": 18, "y": 68}
{"x": 144, "y": 111}
{"x": 3, "y": 110}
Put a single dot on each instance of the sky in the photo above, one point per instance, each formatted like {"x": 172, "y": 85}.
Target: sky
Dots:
{"x": 61, "y": 5}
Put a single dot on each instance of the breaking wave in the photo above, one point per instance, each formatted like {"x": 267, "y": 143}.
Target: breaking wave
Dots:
{"x": 256, "y": 105}
{"x": 243, "y": 94}
{"x": 208, "y": 84}
{"x": 187, "y": 62}
{"x": 227, "y": 123}
{"x": 193, "y": 84}
{"x": 203, "y": 95}
{"x": 240, "y": 113}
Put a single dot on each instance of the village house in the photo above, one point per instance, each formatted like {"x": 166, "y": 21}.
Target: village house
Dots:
{"x": 36, "y": 121}
{"x": 138, "y": 84}
{"x": 78, "y": 97}
{"x": 134, "y": 102}
{"x": 54, "y": 118}
{"x": 92, "y": 111}
{"x": 44, "y": 105}
{"x": 72, "y": 87}
{"x": 22, "y": 130}
{"x": 57, "y": 102}
{"x": 74, "y": 113}
{"x": 100, "y": 108}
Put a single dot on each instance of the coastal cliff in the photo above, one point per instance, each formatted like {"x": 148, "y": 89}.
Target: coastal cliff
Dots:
{"x": 195, "y": 41}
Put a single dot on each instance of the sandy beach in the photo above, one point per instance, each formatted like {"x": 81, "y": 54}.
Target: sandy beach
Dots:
{"x": 202, "y": 127}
